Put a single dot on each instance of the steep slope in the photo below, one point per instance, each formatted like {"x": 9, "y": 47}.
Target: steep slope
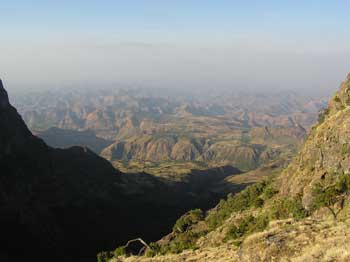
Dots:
{"x": 49, "y": 197}
{"x": 326, "y": 153}
{"x": 300, "y": 215}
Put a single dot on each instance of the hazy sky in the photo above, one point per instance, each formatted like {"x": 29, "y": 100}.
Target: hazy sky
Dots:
{"x": 178, "y": 43}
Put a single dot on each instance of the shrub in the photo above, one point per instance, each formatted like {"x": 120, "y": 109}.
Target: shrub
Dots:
{"x": 245, "y": 139}
{"x": 120, "y": 251}
{"x": 182, "y": 242}
{"x": 190, "y": 218}
{"x": 345, "y": 149}
{"x": 288, "y": 207}
{"x": 259, "y": 202}
{"x": 104, "y": 256}
{"x": 250, "y": 197}
{"x": 269, "y": 192}
{"x": 248, "y": 225}
{"x": 327, "y": 196}
{"x": 322, "y": 115}
{"x": 233, "y": 232}
{"x": 153, "y": 250}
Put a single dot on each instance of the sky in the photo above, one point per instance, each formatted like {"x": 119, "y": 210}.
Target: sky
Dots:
{"x": 179, "y": 43}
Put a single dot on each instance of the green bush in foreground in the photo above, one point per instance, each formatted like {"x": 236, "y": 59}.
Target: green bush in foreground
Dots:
{"x": 181, "y": 242}
{"x": 190, "y": 218}
{"x": 153, "y": 250}
{"x": 120, "y": 251}
{"x": 250, "y": 197}
{"x": 248, "y": 225}
{"x": 288, "y": 207}
{"x": 328, "y": 195}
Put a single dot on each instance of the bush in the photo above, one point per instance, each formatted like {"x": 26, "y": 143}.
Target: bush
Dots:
{"x": 322, "y": 115}
{"x": 327, "y": 196}
{"x": 153, "y": 250}
{"x": 248, "y": 225}
{"x": 237, "y": 203}
{"x": 182, "y": 242}
{"x": 259, "y": 202}
{"x": 190, "y": 218}
{"x": 120, "y": 251}
{"x": 269, "y": 192}
{"x": 345, "y": 149}
{"x": 288, "y": 207}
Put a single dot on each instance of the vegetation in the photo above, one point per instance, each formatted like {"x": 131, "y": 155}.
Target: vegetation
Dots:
{"x": 269, "y": 191}
{"x": 250, "y": 197}
{"x": 337, "y": 99}
{"x": 190, "y": 218}
{"x": 288, "y": 207}
{"x": 104, "y": 256}
{"x": 322, "y": 115}
{"x": 181, "y": 242}
{"x": 120, "y": 251}
{"x": 345, "y": 149}
{"x": 247, "y": 226}
{"x": 280, "y": 209}
{"x": 328, "y": 195}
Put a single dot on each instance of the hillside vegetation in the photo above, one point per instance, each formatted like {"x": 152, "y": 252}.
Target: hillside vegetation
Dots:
{"x": 301, "y": 214}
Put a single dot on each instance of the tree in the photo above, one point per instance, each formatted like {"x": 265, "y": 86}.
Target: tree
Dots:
{"x": 328, "y": 196}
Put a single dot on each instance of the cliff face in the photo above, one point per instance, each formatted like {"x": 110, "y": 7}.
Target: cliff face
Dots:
{"x": 45, "y": 193}
{"x": 326, "y": 151}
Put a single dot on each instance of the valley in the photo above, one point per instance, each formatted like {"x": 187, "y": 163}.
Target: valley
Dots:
{"x": 168, "y": 133}
{"x": 191, "y": 153}
{"x": 174, "y": 131}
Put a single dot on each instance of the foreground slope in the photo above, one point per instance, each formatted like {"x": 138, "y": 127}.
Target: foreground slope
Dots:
{"x": 300, "y": 215}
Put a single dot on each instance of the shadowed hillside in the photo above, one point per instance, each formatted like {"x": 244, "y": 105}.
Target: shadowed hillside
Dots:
{"x": 61, "y": 138}
{"x": 67, "y": 204}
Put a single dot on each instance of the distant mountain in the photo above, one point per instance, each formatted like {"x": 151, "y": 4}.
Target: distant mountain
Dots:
{"x": 166, "y": 134}
{"x": 117, "y": 113}
{"x": 246, "y": 151}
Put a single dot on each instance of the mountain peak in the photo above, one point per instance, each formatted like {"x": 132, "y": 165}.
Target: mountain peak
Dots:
{"x": 4, "y": 99}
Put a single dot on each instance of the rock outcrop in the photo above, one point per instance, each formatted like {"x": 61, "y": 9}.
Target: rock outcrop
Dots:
{"x": 325, "y": 154}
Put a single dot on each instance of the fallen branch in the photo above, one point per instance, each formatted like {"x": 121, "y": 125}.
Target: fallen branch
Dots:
{"x": 145, "y": 245}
